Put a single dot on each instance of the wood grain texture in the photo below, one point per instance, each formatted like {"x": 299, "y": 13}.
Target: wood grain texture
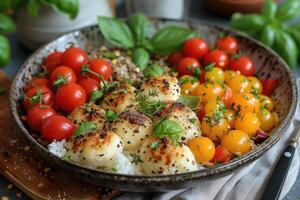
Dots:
{"x": 26, "y": 170}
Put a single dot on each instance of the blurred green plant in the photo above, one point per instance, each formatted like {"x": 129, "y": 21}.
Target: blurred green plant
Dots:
{"x": 9, "y": 7}
{"x": 276, "y": 27}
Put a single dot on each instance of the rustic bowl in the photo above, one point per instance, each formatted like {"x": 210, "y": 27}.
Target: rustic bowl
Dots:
{"x": 268, "y": 63}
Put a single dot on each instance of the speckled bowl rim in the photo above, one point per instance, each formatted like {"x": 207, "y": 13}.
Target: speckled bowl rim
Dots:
{"x": 188, "y": 176}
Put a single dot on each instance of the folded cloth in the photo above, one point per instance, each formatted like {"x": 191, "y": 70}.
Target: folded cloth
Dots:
{"x": 245, "y": 184}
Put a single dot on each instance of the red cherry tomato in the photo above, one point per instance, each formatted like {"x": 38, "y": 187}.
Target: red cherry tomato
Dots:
{"x": 52, "y": 60}
{"x": 195, "y": 47}
{"x": 74, "y": 58}
{"x": 174, "y": 58}
{"x": 227, "y": 97}
{"x": 40, "y": 95}
{"x": 244, "y": 65}
{"x": 222, "y": 155}
{"x": 62, "y": 75}
{"x": 201, "y": 113}
{"x": 228, "y": 44}
{"x": 36, "y": 82}
{"x": 89, "y": 85}
{"x": 269, "y": 86}
{"x": 57, "y": 127}
{"x": 99, "y": 66}
{"x": 187, "y": 66}
{"x": 37, "y": 115}
{"x": 202, "y": 77}
{"x": 218, "y": 57}
{"x": 69, "y": 97}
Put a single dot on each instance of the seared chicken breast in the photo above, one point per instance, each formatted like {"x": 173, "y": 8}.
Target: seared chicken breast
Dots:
{"x": 185, "y": 117}
{"x": 88, "y": 112}
{"x": 133, "y": 127}
{"x": 166, "y": 87}
{"x": 122, "y": 98}
{"x": 161, "y": 156}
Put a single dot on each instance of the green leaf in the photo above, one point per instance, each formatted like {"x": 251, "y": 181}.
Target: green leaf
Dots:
{"x": 170, "y": 39}
{"x": 33, "y": 7}
{"x": 286, "y": 47}
{"x": 140, "y": 58}
{"x": 84, "y": 128}
{"x": 167, "y": 128}
{"x": 250, "y": 23}
{"x": 4, "y": 51}
{"x": 139, "y": 25}
{"x": 269, "y": 9}
{"x": 111, "y": 116}
{"x": 295, "y": 33}
{"x": 153, "y": 71}
{"x": 7, "y": 25}
{"x": 116, "y": 32}
{"x": 267, "y": 35}
{"x": 288, "y": 10}
{"x": 70, "y": 7}
{"x": 96, "y": 95}
{"x": 192, "y": 102}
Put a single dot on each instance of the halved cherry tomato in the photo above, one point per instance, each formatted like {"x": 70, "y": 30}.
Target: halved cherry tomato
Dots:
{"x": 195, "y": 48}
{"x": 57, "y": 127}
{"x": 36, "y": 115}
{"x": 38, "y": 96}
{"x": 100, "y": 67}
{"x": 244, "y": 65}
{"x": 62, "y": 75}
{"x": 36, "y": 82}
{"x": 174, "y": 58}
{"x": 228, "y": 44}
{"x": 222, "y": 155}
{"x": 187, "y": 66}
{"x": 74, "y": 58}
{"x": 217, "y": 57}
{"x": 269, "y": 85}
{"x": 69, "y": 96}
{"x": 52, "y": 60}
{"x": 89, "y": 85}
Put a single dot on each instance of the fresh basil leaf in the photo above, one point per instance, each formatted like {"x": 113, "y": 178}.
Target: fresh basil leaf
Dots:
{"x": 167, "y": 128}
{"x": 267, "y": 35}
{"x": 84, "y": 128}
{"x": 140, "y": 58}
{"x": 116, "y": 32}
{"x": 288, "y": 10}
{"x": 7, "y": 25}
{"x": 269, "y": 9}
{"x": 96, "y": 95}
{"x": 250, "y": 23}
{"x": 147, "y": 45}
{"x": 286, "y": 47}
{"x": 170, "y": 39}
{"x": 190, "y": 101}
{"x": 139, "y": 25}
{"x": 70, "y": 7}
{"x": 111, "y": 116}
{"x": 153, "y": 71}
{"x": 4, "y": 51}
{"x": 33, "y": 7}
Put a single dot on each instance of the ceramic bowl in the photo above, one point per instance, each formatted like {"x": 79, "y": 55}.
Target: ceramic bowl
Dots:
{"x": 269, "y": 65}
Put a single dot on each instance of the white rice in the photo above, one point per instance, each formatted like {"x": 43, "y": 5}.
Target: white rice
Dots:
{"x": 58, "y": 148}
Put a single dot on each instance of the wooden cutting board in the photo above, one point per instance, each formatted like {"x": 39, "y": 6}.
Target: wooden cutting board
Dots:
{"x": 20, "y": 165}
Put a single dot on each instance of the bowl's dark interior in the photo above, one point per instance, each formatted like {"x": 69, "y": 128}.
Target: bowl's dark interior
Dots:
{"x": 269, "y": 66}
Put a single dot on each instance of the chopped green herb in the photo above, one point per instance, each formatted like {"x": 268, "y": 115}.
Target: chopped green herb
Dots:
{"x": 84, "y": 128}
{"x": 111, "y": 116}
{"x": 192, "y": 120}
{"x": 136, "y": 158}
{"x": 197, "y": 72}
{"x": 155, "y": 145}
{"x": 114, "y": 169}
{"x": 245, "y": 97}
{"x": 109, "y": 55}
{"x": 87, "y": 108}
{"x": 209, "y": 67}
{"x": 96, "y": 95}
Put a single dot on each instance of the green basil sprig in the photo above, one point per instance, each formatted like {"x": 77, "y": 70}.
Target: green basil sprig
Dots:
{"x": 153, "y": 71}
{"x": 141, "y": 58}
{"x": 84, "y": 128}
{"x": 139, "y": 25}
{"x": 275, "y": 27}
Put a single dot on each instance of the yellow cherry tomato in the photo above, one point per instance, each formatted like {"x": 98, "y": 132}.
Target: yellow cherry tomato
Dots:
{"x": 203, "y": 148}
{"x": 245, "y": 102}
{"x": 208, "y": 91}
{"x": 230, "y": 117}
{"x": 239, "y": 83}
{"x": 237, "y": 142}
{"x": 267, "y": 120}
{"x": 215, "y": 127}
{"x": 188, "y": 84}
{"x": 266, "y": 102}
{"x": 229, "y": 74}
{"x": 255, "y": 84}
{"x": 247, "y": 122}
{"x": 215, "y": 74}
{"x": 214, "y": 105}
